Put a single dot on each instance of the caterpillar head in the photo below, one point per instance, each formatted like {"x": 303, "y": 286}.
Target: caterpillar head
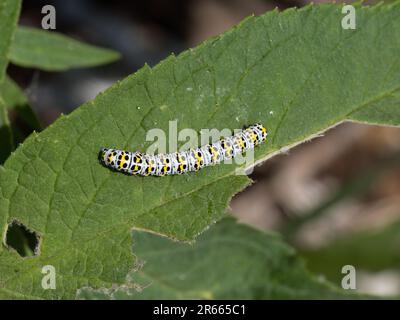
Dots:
{"x": 108, "y": 157}
{"x": 262, "y": 130}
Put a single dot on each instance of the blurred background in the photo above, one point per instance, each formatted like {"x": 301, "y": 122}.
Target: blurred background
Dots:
{"x": 336, "y": 199}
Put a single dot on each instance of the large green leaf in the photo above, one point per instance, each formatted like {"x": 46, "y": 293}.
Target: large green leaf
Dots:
{"x": 9, "y": 12}
{"x": 51, "y": 51}
{"x": 298, "y": 72}
{"x": 240, "y": 263}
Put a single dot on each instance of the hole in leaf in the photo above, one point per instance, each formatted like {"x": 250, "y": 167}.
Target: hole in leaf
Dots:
{"x": 22, "y": 240}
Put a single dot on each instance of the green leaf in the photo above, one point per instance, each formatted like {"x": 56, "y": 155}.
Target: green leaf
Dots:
{"x": 9, "y": 12}
{"x": 298, "y": 72}
{"x": 6, "y": 139}
{"x": 51, "y": 51}
{"x": 15, "y": 99}
{"x": 240, "y": 263}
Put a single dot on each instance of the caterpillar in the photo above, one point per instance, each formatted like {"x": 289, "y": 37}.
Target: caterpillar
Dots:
{"x": 141, "y": 164}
